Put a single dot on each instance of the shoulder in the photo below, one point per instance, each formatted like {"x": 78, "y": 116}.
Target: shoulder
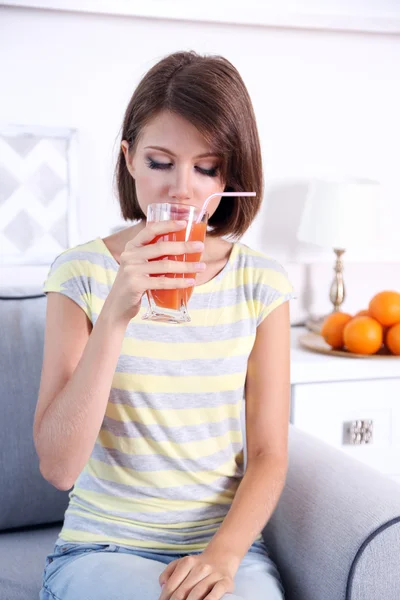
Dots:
{"x": 87, "y": 261}
{"x": 84, "y": 258}
{"x": 265, "y": 279}
{"x": 85, "y": 251}
{"x": 262, "y": 269}
{"x": 81, "y": 272}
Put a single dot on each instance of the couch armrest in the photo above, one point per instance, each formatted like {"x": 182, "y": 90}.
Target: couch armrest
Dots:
{"x": 335, "y": 534}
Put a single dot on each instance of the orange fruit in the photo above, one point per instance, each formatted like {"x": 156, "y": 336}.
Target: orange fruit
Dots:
{"x": 363, "y": 335}
{"x": 332, "y": 328}
{"x": 362, "y": 313}
{"x": 385, "y": 308}
{"x": 392, "y": 340}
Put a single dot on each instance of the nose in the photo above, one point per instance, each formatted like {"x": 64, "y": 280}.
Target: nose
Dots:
{"x": 181, "y": 186}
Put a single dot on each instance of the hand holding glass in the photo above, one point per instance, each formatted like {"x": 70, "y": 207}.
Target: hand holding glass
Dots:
{"x": 170, "y": 305}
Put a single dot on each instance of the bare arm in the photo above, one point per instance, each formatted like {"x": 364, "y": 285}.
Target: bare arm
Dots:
{"x": 78, "y": 368}
{"x": 267, "y": 425}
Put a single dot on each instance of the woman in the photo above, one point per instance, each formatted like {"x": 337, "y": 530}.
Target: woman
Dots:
{"x": 144, "y": 418}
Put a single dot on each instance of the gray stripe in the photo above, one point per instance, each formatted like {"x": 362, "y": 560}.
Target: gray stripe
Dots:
{"x": 265, "y": 294}
{"x": 242, "y": 258}
{"x": 158, "y": 462}
{"x": 114, "y": 529}
{"x": 224, "y": 298}
{"x": 74, "y": 295}
{"x": 185, "y": 493}
{"x": 245, "y": 259}
{"x": 87, "y": 285}
{"x": 175, "y": 401}
{"x": 201, "y": 334}
{"x": 147, "y": 366}
{"x": 160, "y": 433}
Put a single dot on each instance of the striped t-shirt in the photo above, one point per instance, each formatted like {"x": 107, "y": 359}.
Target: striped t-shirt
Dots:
{"x": 169, "y": 456}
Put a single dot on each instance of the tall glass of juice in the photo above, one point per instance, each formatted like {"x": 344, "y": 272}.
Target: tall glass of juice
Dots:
{"x": 171, "y": 306}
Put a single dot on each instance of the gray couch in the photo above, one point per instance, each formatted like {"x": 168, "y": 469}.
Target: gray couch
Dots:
{"x": 335, "y": 534}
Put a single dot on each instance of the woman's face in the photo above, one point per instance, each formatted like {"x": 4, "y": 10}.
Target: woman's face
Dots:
{"x": 173, "y": 163}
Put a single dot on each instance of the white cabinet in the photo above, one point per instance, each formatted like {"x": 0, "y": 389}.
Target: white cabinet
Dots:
{"x": 372, "y": 408}
{"x": 352, "y": 404}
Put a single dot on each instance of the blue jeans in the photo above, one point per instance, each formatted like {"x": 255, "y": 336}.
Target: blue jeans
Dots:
{"x": 109, "y": 572}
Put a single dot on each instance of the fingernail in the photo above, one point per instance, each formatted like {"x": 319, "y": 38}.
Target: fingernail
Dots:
{"x": 201, "y": 266}
{"x": 180, "y": 222}
{"x": 198, "y": 245}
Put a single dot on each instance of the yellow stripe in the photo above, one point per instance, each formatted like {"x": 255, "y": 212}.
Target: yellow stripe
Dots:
{"x": 72, "y": 535}
{"x": 200, "y": 317}
{"x": 79, "y": 268}
{"x": 224, "y": 315}
{"x": 153, "y": 505}
{"x": 240, "y": 346}
{"x": 158, "y": 384}
{"x": 159, "y": 479}
{"x": 172, "y": 417}
{"x": 232, "y": 279}
{"x": 147, "y": 446}
{"x": 131, "y": 522}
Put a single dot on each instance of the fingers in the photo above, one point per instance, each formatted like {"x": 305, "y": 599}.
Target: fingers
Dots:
{"x": 162, "y": 248}
{"x": 209, "y": 585}
{"x": 152, "y": 230}
{"x": 162, "y": 267}
{"x": 165, "y": 575}
{"x": 180, "y": 572}
{"x": 193, "y": 579}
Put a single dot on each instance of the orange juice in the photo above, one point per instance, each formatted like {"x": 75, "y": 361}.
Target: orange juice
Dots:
{"x": 173, "y": 299}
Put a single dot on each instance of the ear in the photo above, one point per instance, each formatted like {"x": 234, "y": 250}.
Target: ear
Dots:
{"x": 128, "y": 158}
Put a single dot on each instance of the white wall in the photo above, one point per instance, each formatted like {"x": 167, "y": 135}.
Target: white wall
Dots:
{"x": 326, "y": 102}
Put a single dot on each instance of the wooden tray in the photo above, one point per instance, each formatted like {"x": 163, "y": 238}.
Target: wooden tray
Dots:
{"x": 316, "y": 343}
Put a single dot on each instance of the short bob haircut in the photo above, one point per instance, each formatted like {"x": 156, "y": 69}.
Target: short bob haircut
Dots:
{"x": 209, "y": 92}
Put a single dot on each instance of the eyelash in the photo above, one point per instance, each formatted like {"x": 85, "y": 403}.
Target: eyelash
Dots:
{"x": 152, "y": 164}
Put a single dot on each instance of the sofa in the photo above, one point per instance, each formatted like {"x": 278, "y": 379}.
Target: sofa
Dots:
{"x": 335, "y": 534}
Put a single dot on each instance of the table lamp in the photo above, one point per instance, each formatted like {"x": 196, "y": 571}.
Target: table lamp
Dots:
{"x": 340, "y": 215}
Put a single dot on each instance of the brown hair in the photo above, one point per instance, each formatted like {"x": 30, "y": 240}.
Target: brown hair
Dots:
{"x": 209, "y": 92}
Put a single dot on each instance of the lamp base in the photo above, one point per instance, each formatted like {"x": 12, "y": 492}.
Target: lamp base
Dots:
{"x": 337, "y": 294}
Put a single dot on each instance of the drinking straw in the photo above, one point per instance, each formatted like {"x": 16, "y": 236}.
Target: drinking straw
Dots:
{"x": 207, "y": 200}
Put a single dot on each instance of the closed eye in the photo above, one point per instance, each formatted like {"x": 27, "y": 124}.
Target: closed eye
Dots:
{"x": 152, "y": 164}
{"x": 210, "y": 172}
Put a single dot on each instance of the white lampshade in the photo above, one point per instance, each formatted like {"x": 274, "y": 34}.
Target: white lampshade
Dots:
{"x": 341, "y": 214}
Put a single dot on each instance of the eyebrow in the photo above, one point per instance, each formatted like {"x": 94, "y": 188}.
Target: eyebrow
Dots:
{"x": 204, "y": 155}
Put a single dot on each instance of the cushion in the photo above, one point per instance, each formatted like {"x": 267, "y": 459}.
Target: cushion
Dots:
{"x": 25, "y": 497}
{"x": 335, "y": 533}
{"x": 22, "y": 560}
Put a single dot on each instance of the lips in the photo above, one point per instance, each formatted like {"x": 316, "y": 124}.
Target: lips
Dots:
{"x": 181, "y": 209}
